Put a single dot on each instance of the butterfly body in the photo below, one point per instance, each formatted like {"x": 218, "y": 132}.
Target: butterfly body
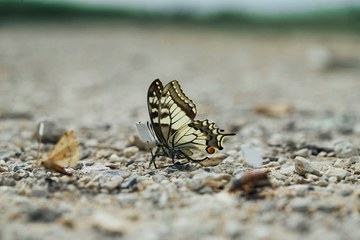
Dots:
{"x": 177, "y": 134}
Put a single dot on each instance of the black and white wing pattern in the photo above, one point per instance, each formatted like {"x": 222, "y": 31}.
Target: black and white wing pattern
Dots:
{"x": 172, "y": 123}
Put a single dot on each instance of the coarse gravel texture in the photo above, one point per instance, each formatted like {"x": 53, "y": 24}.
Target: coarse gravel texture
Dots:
{"x": 93, "y": 78}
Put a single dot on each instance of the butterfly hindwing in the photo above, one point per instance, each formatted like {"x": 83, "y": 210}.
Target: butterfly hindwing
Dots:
{"x": 199, "y": 135}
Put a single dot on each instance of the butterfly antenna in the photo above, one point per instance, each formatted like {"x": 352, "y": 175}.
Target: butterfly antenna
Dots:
{"x": 40, "y": 135}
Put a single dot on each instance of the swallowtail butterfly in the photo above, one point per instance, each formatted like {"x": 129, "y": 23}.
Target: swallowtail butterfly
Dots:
{"x": 177, "y": 134}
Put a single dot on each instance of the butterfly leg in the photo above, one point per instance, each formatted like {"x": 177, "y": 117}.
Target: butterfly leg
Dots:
{"x": 153, "y": 156}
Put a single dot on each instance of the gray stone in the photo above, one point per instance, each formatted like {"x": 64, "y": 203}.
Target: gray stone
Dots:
{"x": 282, "y": 160}
{"x": 339, "y": 173}
{"x": 297, "y": 222}
{"x": 130, "y": 151}
{"x": 114, "y": 158}
{"x": 114, "y": 183}
{"x": 14, "y": 167}
{"x": 328, "y": 205}
{"x": 108, "y": 223}
{"x": 233, "y": 229}
{"x": 333, "y": 179}
{"x": 302, "y": 152}
{"x": 40, "y": 192}
{"x": 345, "y": 150}
{"x": 4, "y": 155}
{"x": 300, "y": 204}
{"x": 303, "y": 166}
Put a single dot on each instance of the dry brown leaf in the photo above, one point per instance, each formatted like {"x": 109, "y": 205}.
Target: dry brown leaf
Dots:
{"x": 65, "y": 153}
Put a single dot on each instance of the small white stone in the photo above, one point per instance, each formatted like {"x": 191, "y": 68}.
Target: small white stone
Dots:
{"x": 333, "y": 179}
{"x": 303, "y": 166}
{"x": 114, "y": 183}
{"x": 282, "y": 160}
{"x": 108, "y": 222}
{"x": 302, "y": 153}
{"x": 322, "y": 154}
{"x": 339, "y": 173}
{"x": 345, "y": 150}
{"x": 130, "y": 151}
{"x": 114, "y": 158}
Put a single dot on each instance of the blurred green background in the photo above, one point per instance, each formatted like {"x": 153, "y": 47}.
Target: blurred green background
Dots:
{"x": 332, "y": 14}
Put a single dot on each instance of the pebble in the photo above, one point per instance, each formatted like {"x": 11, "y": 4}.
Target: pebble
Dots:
{"x": 339, "y": 173}
{"x": 312, "y": 177}
{"x": 113, "y": 183}
{"x": 278, "y": 175}
{"x": 297, "y": 222}
{"x": 319, "y": 58}
{"x": 322, "y": 183}
{"x": 130, "y": 151}
{"x": 299, "y": 190}
{"x": 51, "y": 133}
{"x": 114, "y": 158}
{"x": 302, "y": 153}
{"x": 299, "y": 204}
{"x": 103, "y": 153}
{"x": 345, "y": 150}
{"x": 252, "y": 156}
{"x": 322, "y": 154}
{"x": 333, "y": 179}
{"x": 43, "y": 214}
{"x": 40, "y": 192}
{"x": 303, "y": 166}
{"x": 282, "y": 160}
{"x": 4, "y": 155}
{"x": 108, "y": 223}
{"x": 233, "y": 229}
{"x": 342, "y": 162}
{"x": 287, "y": 169}
{"x": 7, "y": 181}
{"x": 127, "y": 200}
{"x": 329, "y": 205}
{"x": 331, "y": 154}
{"x": 3, "y": 169}
{"x": 13, "y": 167}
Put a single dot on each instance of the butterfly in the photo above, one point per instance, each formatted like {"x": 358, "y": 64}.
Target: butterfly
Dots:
{"x": 65, "y": 153}
{"x": 177, "y": 134}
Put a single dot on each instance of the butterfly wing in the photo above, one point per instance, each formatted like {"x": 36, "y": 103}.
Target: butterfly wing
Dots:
{"x": 199, "y": 135}
{"x": 169, "y": 109}
{"x": 65, "y": 153}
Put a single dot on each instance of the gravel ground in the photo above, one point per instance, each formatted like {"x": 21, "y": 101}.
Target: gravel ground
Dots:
{"x": 294, "y": 96}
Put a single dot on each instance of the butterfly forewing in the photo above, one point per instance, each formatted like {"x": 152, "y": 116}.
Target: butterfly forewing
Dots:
{"x": 169, "y": 109}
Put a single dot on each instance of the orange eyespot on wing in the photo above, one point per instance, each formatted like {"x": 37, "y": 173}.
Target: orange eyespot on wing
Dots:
{"x": 210, "y": 149}
{"x": 65, "y": 153}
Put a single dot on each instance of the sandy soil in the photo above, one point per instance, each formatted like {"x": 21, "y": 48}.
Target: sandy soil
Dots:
{"x": 93, "y": 78}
